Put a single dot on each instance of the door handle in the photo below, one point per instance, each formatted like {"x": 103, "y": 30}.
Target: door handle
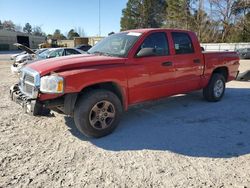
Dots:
{"x": 167, "y": 64}
{"x": 197, "y": 61}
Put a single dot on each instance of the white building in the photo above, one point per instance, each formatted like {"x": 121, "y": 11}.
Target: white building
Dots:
{"x": 8, "y": 38}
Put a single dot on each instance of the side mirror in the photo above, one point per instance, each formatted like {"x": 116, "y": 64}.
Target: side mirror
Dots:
{"x": 145, "y": 52}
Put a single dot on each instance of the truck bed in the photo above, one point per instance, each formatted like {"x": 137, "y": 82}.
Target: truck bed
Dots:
{"x": 229, "y": 60}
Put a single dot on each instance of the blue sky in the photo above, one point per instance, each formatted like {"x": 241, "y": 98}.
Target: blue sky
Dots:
{"x": 65, "y": 14}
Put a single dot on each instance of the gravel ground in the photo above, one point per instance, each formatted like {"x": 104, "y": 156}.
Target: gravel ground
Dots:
{"x": 182, "y": 141}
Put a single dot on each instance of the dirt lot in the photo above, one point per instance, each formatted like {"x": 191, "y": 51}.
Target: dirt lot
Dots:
{"x": 182, "y": 141}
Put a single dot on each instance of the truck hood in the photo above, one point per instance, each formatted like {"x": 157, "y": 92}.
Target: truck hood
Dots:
{"x": 60, "y": 64}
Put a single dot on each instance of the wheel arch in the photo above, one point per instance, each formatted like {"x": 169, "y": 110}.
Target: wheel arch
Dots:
{"x": 223, "y": 71}
{"x": 110, "y": 86}
{"x": 70, "y": 100}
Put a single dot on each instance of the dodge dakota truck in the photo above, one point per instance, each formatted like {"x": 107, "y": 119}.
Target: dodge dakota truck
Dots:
{"x": 122, "y": 70}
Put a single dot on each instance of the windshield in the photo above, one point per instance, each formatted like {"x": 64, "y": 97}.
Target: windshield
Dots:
{"x": 117, "y": 45}
{"x": 39, "y": 51}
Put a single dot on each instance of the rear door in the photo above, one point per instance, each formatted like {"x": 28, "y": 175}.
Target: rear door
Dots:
{"x": 188, "y": 61}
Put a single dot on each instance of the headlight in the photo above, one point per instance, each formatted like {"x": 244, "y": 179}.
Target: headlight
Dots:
{"x": 51, "y": 84}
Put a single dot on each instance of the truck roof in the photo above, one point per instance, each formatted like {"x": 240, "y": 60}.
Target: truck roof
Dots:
{"x": 146, "y": 30}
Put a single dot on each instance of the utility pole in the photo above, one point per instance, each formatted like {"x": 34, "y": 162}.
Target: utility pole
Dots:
{"x": 200, "y": 16}
{"x": 99, "y": 18}
{"x": 186, "y": 12}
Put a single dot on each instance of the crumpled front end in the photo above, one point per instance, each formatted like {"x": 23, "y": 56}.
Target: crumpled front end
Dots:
{"x": 26, "y": 91}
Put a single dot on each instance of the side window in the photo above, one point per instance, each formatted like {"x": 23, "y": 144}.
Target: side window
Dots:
{"x": 182, "y": 43}
{"x": 157, "y": 41}
{"x": 71, "y": 51}
{"x": 56, "y": 53}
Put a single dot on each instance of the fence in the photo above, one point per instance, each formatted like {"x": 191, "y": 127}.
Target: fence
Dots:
{"x": 224, "y": 46}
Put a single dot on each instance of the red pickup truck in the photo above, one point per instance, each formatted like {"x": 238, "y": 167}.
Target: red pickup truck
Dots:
{"x": 123, "y": 69}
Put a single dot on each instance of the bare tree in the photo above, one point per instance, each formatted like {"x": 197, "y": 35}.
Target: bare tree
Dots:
{"x": 18, "y": 27}
{"x": 8, "y": 25}
{"x": 80, "y": 31}
{"x": 224, "y": 9}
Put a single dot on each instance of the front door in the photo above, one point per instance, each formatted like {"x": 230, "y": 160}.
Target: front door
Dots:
{"x": 154, "y": 74}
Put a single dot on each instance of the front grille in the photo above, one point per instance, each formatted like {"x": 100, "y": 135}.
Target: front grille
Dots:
{"x": 27, "y": 88}
{"x": 29, "y": 78}
{"x": 29, "y": 82}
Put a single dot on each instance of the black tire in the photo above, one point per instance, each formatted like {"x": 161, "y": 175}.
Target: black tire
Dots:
{"x": 84, "y": 110}
{"x": 209, "y": 92}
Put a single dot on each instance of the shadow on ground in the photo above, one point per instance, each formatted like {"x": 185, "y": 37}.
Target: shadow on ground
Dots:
{"x": 184, "y": 124}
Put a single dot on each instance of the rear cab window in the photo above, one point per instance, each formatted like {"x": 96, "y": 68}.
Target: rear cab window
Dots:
{"x": 182, "y": 43}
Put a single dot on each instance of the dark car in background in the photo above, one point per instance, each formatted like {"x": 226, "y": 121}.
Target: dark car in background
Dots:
{"x": 84, "y": 47}
{"x": 244, "y": 53}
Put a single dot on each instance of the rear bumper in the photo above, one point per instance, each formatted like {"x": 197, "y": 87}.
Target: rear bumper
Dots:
{"x": 30, "y": 106}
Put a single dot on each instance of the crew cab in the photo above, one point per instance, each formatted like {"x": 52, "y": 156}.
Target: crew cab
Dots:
{"x": 122, "y": 70}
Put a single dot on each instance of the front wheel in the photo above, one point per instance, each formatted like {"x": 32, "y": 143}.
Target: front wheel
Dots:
{"x": 215, "y": 88}
{"x": 97, "y": 113}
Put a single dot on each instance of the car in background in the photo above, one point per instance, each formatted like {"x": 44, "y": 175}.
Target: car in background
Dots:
{"x": 244, "y": 53}
{"x": 84, "y": 47}
{"x": 45, "y": 54}
{"x": 26, "y": 54}
{"x": 13, "y": 57}
{"x": 58, "y": 52}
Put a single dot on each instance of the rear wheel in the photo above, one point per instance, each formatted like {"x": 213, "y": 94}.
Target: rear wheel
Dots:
{"x": 97, "y": 113}
{"x": 215, "y": 88}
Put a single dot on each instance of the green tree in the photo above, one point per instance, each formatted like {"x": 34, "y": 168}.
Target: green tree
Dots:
{"x": 27, "y": 28}
{"x": 143, "y": 14}
{"x": 37, "y": 31}
{"x": 72, "y": 34}
{"x": 58, "y": 35}
{"x": 178, "y": 14}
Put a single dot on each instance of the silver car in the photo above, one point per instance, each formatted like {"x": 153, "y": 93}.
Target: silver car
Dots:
{"x": 48, "y": 53}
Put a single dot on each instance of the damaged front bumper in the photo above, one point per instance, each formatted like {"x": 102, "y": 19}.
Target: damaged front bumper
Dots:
{"x": 30, "y": 106}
